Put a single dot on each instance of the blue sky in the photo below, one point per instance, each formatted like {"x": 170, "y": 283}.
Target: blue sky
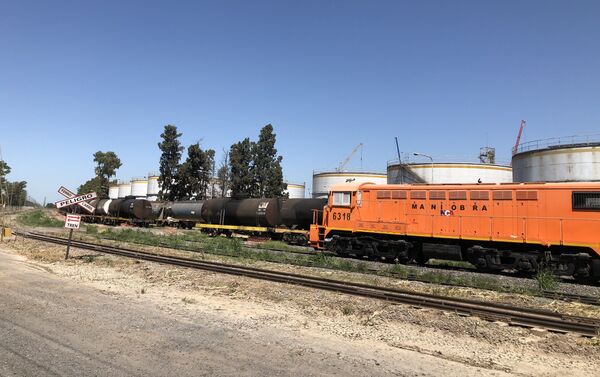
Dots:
{"x": 446, "y": 77}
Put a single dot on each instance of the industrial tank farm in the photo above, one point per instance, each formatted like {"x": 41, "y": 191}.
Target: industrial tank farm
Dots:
{"x": 566, "y": 159}
{"x": 153, "y": 187}
{"x": 139, "y": 187}
{"x": 295, "y": 190}
{"x": 124, "y": 189}
{"x": 448, "y": 172}
{"x": 323, "y": 181}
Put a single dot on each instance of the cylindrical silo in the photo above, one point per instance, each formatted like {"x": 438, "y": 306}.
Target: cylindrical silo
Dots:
{"x": 113, "y": 191}
{"x": 565, "y": 159}
{"x": 447, "y": 172}
{"x": 322, "y": 181}
{"x": 153, "y": 187}
{"x": 295, "y": 190}
{"x": 139, "y": 187}
{"x": 124, "y": 189}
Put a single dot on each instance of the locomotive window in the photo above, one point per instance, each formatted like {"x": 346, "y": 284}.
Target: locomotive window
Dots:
{"x": 586, "y": 200}
{"x": 417, "y": 195}
{"x": 502, "y": 195}
{"x": 384, "y": 194}
{"x": 526, "y": 195}
{"x": 458, "y": 195}
{"x": 398, "y": 194}
{"x": 480, "y": 195}
{"x": 440, "y": 195}
{"x": 341, "y": 199}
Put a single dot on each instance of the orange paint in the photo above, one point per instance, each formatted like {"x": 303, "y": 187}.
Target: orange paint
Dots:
{"x": 528, "y": 213}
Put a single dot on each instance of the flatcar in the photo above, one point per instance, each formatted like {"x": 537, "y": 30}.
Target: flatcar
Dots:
{"x": 523, "y": 227}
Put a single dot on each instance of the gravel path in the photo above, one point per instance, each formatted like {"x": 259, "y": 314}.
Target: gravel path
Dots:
{"x": 379, "y": 334}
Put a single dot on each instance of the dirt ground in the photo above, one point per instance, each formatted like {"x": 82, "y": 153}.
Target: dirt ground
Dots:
{"x": 322, "y": 317}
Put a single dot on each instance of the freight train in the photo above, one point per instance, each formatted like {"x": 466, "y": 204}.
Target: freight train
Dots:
{"x": 115, "y": 211}
{"x": 523, "y": 227}
{"x": 287, "y": 219}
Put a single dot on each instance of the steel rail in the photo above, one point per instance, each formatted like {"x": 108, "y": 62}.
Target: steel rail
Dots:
{"x": 568, "y": 297}
{"x": 520, "y": 316}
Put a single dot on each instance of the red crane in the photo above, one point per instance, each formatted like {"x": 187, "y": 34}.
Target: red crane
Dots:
{"x": 519, "y": 137}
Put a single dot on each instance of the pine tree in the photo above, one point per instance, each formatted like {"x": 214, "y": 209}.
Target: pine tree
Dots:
{"x": 267, "y": 169}
{"x": 240, "y": 161}
{"x": 169, "y": 162}
{"x": 107, "y": 164}
{"x": 193, "y": 176}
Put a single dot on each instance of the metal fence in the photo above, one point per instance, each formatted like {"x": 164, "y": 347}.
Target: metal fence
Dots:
{"x": 555, "y": 142}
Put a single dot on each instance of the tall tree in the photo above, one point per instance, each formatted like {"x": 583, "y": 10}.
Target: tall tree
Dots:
{"x": 16, "y": 193}
{"x": 267, "y": 171}
{"x": 107, "y": 164}
{"x": 240, "y": 161}
{"x": 223, "y": 176}
{"x": 4, "y": 171}
{"x": 194, "y": 175}
{"x": 92, "y": 185}
{"x": 169, "y": 161}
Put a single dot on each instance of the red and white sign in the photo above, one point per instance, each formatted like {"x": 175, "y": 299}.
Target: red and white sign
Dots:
{"x": 74, "y": 199}
{"x": 72, "y": 221}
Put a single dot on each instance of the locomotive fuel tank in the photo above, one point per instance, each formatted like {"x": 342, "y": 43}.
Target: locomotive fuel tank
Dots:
{"x": 298, "y": 213}
{"x": 253, "y": 212}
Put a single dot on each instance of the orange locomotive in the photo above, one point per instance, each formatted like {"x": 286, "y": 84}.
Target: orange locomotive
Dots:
{"x": 493, "y": 226}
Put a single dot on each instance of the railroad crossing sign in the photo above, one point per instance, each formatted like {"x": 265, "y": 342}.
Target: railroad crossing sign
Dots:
{"x": 72, "y": 221}
{"x": 80, "y": 200}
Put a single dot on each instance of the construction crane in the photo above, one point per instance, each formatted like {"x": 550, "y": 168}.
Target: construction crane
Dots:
{"x": 345, "y": 162}
{"x": 519, "y": 137}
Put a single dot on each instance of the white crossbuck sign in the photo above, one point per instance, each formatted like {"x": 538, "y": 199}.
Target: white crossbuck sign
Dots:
{"x": 72, "y": 199}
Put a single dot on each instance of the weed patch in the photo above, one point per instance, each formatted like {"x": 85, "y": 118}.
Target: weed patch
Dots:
{"x": 39, "y": 219}
{"x": 546, "y": 280}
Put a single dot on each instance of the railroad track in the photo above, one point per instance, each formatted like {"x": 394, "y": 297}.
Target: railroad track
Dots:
{"x": 568, "y": 297}
{"x": 519, "y": 316}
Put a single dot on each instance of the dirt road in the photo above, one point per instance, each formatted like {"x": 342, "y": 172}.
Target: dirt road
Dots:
{"x": 52, "y": 326}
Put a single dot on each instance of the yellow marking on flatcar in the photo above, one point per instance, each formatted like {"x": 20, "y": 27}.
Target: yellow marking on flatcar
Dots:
{"x": 250, "y": 228}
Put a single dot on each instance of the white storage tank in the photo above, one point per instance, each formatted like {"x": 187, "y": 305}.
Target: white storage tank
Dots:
{"x": 139, "y": 187}
{"x": 124, "y": 189}
{"x": 296, "y": 190}
{"x": 322, "y": 181}
{"x": 565, "y": 159}
{"x": 113, "y": 191}
{"x": 153, "y": 186}
{"x": 448, "y": 172}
